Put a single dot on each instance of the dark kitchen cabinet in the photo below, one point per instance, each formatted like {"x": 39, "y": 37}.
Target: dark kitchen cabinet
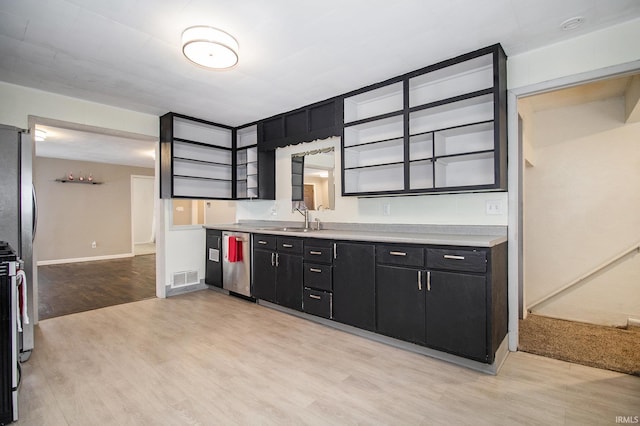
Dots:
{"x": 317, "y": 296}
{"x": 400, "y": 294}
{"x": 213, "y": 250}
{"x": 264, "y": 275}
{"x": 277, "y": 270}
{"x": 289, "y": 280}
{"x": 317, "y": 121}
{"x": 456, "y": 314}
{"x": 354, "y": 285}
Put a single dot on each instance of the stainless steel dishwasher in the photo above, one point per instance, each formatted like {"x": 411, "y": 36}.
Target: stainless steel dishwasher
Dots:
{"x": 236, "y": 262}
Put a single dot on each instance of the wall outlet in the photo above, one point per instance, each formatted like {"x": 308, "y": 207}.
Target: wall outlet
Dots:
{"x": 386, "y": 209}
{"x": 93, "y": 244}
{"x": 494, "y": 206}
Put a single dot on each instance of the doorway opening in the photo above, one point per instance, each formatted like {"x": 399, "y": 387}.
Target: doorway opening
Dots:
{"x": 581, "y": 231}
{"x": 96, "y": 200}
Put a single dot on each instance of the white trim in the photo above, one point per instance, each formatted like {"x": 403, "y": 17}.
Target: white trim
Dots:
{"x": 515, "y": 255}
{"x": 84, "y": 259}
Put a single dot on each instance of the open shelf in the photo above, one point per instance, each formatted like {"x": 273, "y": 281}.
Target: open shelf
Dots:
{"x": 448, "y": 82}
{"x": 374, "y": 102}
{"x": 374, "y": 131}
{"x": 463, "y": 112}
{"x": 388, "y": 151}
{"x": 86, "y": 182}
{"x": 247, "y": 136}
{"x": 196, "y": 131}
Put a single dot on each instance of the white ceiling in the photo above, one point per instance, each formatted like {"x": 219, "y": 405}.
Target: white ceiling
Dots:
{"x": 292, "y": 53}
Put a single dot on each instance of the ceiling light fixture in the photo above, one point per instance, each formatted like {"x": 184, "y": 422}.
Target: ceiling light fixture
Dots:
{"x": 572, "y": 23}
{"x": 209, "y": 47}
{"x": 41, "y": 135}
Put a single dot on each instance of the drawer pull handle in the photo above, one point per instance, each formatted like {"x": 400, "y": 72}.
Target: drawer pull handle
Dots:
{"x": 315, "y": 252}
{"x": 262, "y": 242}
{"x": 313, "y": 296}
{"x": 452, "y": 256}
{"x": 397, "y": 253}
{"x": 287, "y": 245}
{"x": 315, "y": 270}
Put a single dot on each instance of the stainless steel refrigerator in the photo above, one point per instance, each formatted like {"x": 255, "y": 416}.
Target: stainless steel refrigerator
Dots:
{"x": 18, "y": 215}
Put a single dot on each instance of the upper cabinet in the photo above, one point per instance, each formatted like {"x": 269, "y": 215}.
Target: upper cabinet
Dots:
{"x": 438, "y": 129}
{"x": 196, "y": 158}
{"x": 317, "y": 121}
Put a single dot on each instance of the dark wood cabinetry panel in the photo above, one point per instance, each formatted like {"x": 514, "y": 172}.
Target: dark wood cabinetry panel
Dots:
{"x": 354, "y": 285}
{"x": 289, "y": 281}
{"x": 400, "y": 303}
{"x": 456, "y": 314}
{"x": 264, "y": 275}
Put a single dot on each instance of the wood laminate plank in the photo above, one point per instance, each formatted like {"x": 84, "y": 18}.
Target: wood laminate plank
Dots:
{"x": 208, "y": 358}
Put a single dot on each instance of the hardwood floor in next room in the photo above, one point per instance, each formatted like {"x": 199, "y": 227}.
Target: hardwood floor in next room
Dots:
{"x": 208, "y": 358}
{"x": 76, "y": 287}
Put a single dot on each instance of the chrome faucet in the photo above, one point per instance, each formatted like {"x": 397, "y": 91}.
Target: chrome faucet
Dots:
{"x": 305, "y": 213}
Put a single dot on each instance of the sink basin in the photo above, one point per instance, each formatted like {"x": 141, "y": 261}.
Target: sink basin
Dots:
{"x": 293, "y": 229}
{"x": 287, "y": 229}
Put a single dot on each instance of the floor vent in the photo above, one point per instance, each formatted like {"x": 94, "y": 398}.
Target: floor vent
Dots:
{"x": 184, "y": 278}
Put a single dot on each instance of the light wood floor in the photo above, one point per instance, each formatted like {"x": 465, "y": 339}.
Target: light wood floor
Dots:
{"x": 207, "y": 358}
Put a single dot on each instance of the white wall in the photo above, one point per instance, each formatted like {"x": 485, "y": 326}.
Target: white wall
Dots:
{"x": 142, "y": 208}
{"x": 18, "y": 103}
{"x": 593, "y": 51}
{"x": 582, "y": 200}
{"x": 457, "y": 209}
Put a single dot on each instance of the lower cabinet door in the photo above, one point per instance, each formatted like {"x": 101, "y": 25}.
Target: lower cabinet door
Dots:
{"x": 317, "y": 302}
{"x": 354, "y": 285}
{"x": 457, "y": 314}
{"x": 400, "y": 301}
{"x": 289, "y": 281}
{"x": 264, "y": 275}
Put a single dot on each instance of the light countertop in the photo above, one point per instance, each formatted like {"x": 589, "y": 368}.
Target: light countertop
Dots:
{"x": 380, "y": 233}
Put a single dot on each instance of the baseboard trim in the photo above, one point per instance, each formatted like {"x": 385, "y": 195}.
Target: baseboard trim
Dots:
{"x": 84, "y": 259}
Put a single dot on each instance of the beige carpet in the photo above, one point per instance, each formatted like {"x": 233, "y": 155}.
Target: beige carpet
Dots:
{"x": 593, "y": 345}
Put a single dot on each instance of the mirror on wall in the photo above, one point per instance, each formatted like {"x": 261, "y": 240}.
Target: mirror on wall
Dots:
{"x": 313, "y": 179}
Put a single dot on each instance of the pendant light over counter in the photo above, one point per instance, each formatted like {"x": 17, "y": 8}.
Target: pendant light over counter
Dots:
{"x": 210, "y": 47}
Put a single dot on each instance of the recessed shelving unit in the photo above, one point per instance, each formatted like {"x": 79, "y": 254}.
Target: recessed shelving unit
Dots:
{"x": 247, "y": 162}
{"x": 196, "y": 158}
{"x": 438, "y": 129}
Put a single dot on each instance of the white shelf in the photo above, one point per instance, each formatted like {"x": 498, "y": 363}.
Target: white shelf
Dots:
{"x": 373, "y": 131}
{"x": 465, "y": 77}
{"x": 421, "y": 146}
{"x": 201, "y": 132}
{"x": 247, "y": 136}
{"x": 465, "y": 170}
{"x": 373, "y": 103}
{"x": 421, "y": 174}
{"x": 390, "y": 151}
{"x": 476, "y": 137}
{"x": 472, "y": 110}
{"x": 202, "y": 170}
{"x": 375, "y": 179}
{"x": 201, "y": 188}
{"x": 201, "y": 153}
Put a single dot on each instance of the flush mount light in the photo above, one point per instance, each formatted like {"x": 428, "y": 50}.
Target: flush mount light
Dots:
{"x": 41, "y": 135}
{"x": 209, "y": 47}
{"x": 572, "y": 23}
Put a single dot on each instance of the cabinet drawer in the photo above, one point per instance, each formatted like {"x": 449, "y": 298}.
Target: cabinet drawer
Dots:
{"x": 457, "y": 260}
{"x": 289, "y": 245}
{"x": 398, "y": 255}
{"x": 317, "y": 276}
{"x": 264, "y": 242}
{"x": 318, "y": 254}
{"x": 317, "y": 302}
